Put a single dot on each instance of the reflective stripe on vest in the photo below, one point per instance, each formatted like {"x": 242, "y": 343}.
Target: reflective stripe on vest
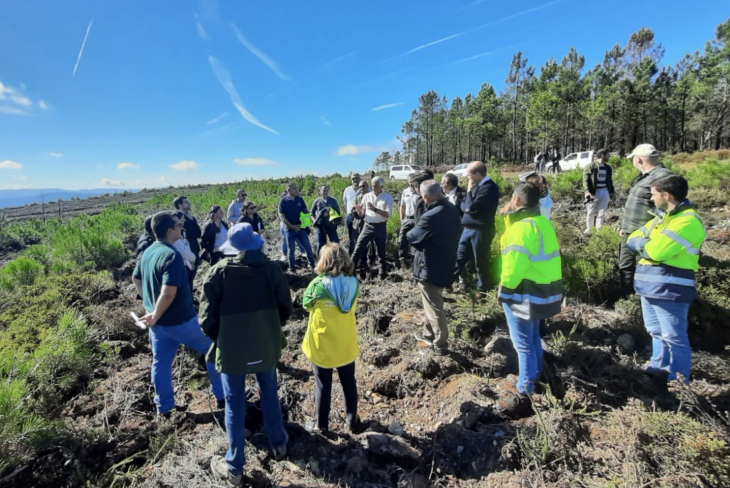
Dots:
{"x": 673, "y": 280}
{"x": 531, "y": 298}
{"x": 681, "y": 241}
{"x": 540, "y": 256}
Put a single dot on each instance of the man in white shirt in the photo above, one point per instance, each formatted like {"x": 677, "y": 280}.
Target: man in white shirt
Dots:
{"x": 407, "y": 212}
{"x": 454, "y": 193}
{"x": 348, "y": 200}
{"x": 376, "y": 209}
{"x": 234, "y": 209}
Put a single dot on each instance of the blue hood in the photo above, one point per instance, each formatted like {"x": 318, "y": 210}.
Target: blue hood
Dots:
{"x": 343, "y": 289}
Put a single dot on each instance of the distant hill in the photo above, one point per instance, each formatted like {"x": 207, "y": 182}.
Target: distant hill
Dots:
{"x": 17, "y": 198}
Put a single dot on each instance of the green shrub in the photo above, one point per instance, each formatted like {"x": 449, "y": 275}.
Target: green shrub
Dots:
{"x": 22, "y": 271}
{"x": 590, "y": 271}
{"x": 565, "y": 184}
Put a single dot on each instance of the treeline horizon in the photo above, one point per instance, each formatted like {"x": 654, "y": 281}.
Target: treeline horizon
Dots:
{"x": 626, "y": 100}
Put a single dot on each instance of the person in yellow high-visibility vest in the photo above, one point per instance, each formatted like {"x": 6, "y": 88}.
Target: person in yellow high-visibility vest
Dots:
{"x": 530, "y": 288}
{"x": 668, "y": 248}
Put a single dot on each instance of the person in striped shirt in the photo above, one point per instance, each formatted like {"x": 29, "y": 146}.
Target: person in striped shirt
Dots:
{"x": 598, "y": 185}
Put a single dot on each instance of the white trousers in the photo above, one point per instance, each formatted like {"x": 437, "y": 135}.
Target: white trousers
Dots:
{"x": 597, "y": 209}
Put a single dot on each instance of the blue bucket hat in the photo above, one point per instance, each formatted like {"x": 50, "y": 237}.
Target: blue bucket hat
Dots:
{"x": 241, "y": 237}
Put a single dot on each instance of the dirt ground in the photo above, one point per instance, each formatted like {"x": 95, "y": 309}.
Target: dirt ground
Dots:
{"x": 428, "y": 421}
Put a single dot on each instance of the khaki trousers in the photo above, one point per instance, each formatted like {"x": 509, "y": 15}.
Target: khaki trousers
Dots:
{"x": 433, "y": 305}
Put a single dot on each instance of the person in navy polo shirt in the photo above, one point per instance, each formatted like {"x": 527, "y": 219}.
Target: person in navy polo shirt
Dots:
{"x": 291, "y": 206}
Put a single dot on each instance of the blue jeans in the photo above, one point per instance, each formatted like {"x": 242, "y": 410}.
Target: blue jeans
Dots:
{"x": 284, "y": 246}
{"x": 165, "y": 339}
{"x": 525, "y": 335}
{"x": 326, "y": 233}
{"x": 234, "y": 386}
{"x": 475, "y": 244}
{"x": 666, "y": 323}
{"x": 302, "y": 238}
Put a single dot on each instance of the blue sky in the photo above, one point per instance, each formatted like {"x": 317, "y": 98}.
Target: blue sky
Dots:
{"x": 155, "y": 93}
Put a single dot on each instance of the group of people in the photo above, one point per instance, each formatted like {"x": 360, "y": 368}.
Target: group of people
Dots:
{"x": 543, "y": 157}
{"x": 245, "y": 298}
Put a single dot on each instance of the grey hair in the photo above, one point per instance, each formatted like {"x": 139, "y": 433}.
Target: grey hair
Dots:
{"x": 378, "y": 181}
{"x": 289, "y": 185}
{"x": 432, "y": 190}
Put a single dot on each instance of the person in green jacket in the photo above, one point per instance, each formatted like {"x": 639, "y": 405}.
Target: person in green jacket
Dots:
{"x": 530, "y": 287}
{"x": 331, "y": 338}
{"x": 245, "y": 301}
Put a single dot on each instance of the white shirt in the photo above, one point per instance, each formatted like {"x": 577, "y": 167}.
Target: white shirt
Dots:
{"x": 183, "y": 246}
{"x": 382, "y": 202}
{"x": 407, "y": 202}
{"x": 234, "y": 211}
{"x": 348, "y": 198}
{"x": 452, "y": 198}
{"x": 220, "y": 238}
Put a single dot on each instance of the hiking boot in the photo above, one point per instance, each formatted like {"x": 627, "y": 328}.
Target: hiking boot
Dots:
{"x": 440, "y": 351}
{"x": 515, "y": 406}
{"x": 313, "y": 428}
{"x": 353, "y": 423}
{"x": 176, "y": 408}
{"x": 421, "y": 338}
{"x": 219, "y": 466}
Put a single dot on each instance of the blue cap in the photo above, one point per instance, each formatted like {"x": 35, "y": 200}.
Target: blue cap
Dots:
{"x": 241, "y": 237}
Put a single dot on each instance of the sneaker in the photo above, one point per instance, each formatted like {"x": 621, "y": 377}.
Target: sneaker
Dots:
{"x": 279, "y": 452}
{"x": 587, "y": 231}
{"x": 176, "y": 408}
{"x": 220, "y": 404}
{"x": 515, "y": 406}
{"x": 421, "y": 338}
{"x": 219, "y": 466}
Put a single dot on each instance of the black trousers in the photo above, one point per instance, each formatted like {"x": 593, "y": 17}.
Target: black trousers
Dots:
{"x": 323, "y": 392}
{"x": 371, "y": 233}
{"x": 404, "y": 248}
{"x": 626, "y": 267}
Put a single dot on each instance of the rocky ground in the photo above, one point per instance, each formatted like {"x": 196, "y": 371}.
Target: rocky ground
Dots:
{"x": 427, "y": 421}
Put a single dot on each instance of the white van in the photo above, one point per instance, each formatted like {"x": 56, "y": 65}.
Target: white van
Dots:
{"x": 402, "y": 171}
{"x": 572, "y": 161}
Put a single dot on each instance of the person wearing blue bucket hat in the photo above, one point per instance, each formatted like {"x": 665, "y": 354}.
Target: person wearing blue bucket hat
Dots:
{"x": 246, "y": 300}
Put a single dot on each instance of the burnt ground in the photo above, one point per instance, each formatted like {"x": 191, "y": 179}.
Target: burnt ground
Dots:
{"x": 427, "y": 421}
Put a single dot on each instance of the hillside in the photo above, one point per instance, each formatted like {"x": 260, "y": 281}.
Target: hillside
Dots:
{"x": 76, "y": 400}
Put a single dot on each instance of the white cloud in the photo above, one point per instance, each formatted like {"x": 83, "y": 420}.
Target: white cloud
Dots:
{"x": 325, "y": 121}
{"x": 12, "y": 110}
{"x": 337, "y": 60}
{"x": 127, "y": 166}
{"x": 185, "y": 165}
{"x": 17, "y": 187}
{"x": 20, "y": 177}
{"x": 259, "y": 53}
{"x": 9, "y": 164}
{"x": 389, "y": 105}
{"x": 224, "y": 77}
{"x": 352, "y": 149}
{"x": 15, "y": 102}
{"x": 56, "y": 154}
{"x": 254, "y": 161}
{"x": 110, "y": 182}
{"x": 81, "y": 51}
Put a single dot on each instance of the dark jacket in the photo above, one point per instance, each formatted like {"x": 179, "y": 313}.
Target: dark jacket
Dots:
{"x": 590, "y": 178}
{"x": 320, "y": 211}
{"x": 245, "y": 301}
{"x": 419, "y": 206}
{"x": 193, "y": 233}
{"x": 210, "y": 230}
{"x": 145, "y": 241}
{"x": 639, "y": 202}
{"x": 436, "y": 239}
{"x": 460, "y": 197}
{"x": 256, "y": 222}
{"x": 481, "y": 206}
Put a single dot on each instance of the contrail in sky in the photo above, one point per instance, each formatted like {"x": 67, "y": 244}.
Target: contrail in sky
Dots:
{"x": 81, "y": 51}
{"x": 452, "y": 36}
{"x": 224, "y": 77}
{"x": 258, "y": 53}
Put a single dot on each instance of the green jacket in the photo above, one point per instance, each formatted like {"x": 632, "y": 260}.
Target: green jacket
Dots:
{"x": 590, "y": 178}
{"x": 245, "y": 301}
{"x": 639, "y": 203}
